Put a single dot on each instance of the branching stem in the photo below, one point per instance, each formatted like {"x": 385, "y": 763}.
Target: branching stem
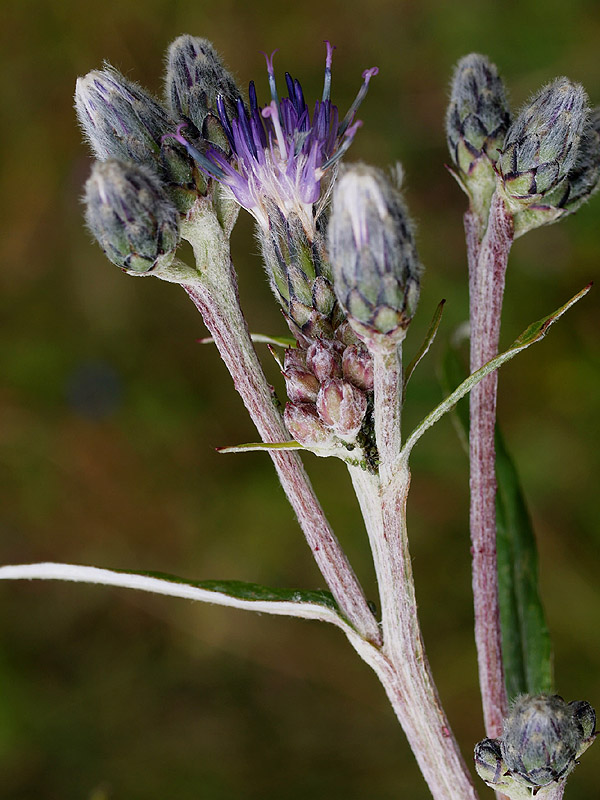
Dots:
{"x": 215, "y": 295}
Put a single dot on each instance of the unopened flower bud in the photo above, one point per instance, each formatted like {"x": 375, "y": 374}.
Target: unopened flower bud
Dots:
{"x": 342, "y": 407}
{"x": 301, "y": 386}
{"x": 129, "y": 213}
{"x": 298, "y": 275}
{"x": 120, "y": 120}
{"x": 476, "y": 124}
{"x": 195, "y": 77}
{"x": 542, "y": 736}
{"x": 357, "y": 367}
{"x": 324, "y": 359}
{"x": 541, "y": 145}
{"x": 373, "y": 255}
{"x": 586, "y": 717}
{"x": 304, "y": 424}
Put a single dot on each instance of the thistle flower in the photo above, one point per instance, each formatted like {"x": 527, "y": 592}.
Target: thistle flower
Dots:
{"x": 129, "y": 213}
{"x": 373, "y": 255}
{"x": 279, "y": 153}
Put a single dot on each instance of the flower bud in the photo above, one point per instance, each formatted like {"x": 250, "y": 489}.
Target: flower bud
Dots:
{"x": 324, "y": 360}
{"x": 357, "y": 367}
{"x": 373, "y": 255}
{"x": 195, "y": 77}
{"x": 541, "y": 145}
{"x": 120, "y": 120}
{"x": 301, "y": 386}
{"x": 129, "y": 213}
{"x": 342, "y": 407}
{"x": 303, "y": 423}
{"x": 477, "y": 120}
{"x": 299, "y": 276}
{"x": 542, "y": 736}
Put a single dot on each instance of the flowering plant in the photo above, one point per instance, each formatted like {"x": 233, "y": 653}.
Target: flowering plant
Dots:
{"x": 340, "y": 254}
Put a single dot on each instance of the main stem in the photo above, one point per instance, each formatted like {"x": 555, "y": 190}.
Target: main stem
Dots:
{"x": 402, "y": 665}
{"x": 487, "y": 269}
{"x": 215, "y": 295}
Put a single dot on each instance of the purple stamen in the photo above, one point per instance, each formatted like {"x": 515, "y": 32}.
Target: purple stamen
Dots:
{"x": 367, "y": 75}
{"x": 204, "y": 163}
{"x": 328, "y": 60}
{"x": 222, "y": 112}
{"x": 271, "y": 71}
{"x": 271, "y": 111}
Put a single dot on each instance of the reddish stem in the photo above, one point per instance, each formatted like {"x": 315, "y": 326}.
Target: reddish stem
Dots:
{"x": 487, "y": 269}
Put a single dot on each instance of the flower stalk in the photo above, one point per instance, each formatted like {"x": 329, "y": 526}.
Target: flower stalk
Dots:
{"x": 215, "y": 295}
{"x": 487, "y": 269}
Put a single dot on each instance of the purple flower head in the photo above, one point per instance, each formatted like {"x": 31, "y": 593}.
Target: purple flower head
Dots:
{"x": 279, "y": 153}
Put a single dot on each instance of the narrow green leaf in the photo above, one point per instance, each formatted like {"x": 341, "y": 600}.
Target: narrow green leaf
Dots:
{"x": 526, "y": 646}
{"x": 248, "y": 591}
{"x": 534, "y": 333}
{"x": 259, "y": 338}
{"x": 424, "y": 349}
{"x": 317, "y": 605}
{"x": 260, "y": 446}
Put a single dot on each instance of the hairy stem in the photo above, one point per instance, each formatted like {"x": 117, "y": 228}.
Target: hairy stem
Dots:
{"x": 487, "y": 269}
{"x": 215, "y": 295}
{"x": 402, "y": 666}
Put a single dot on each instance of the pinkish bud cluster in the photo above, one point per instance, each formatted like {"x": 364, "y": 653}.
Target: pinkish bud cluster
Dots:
{"x": 327, "y": 386}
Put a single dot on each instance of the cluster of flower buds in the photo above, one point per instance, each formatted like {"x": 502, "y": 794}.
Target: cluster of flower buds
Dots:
{"x": 542, "y": 739}
{"x": 328, "y": 385}
{"x": 151, "y": 177}
{"x": 546, "y": 163}
{"x": 376, "y": 274}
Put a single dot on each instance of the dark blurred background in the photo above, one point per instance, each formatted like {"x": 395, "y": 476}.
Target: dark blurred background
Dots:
{"x": 110, "y": 412}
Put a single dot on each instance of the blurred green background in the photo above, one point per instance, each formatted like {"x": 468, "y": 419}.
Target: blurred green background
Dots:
{"x": 109, "y": 413}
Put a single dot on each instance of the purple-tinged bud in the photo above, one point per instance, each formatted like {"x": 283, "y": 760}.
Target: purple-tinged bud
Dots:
{"x": 542, "y": 736}
{"x": 120, "y": 119}
{"x": 373, "y": 255}
{"x": 299, "y": 276}
{"x": 129, "y": 213}
{"x": 303, "y": 423}
{"x": 542, "y": 143}
{"x": 585, "y": 716}
{"x": 324, "y": 359}
{"x": 301, "y": 386}
{"x": 123, "y": 121}
{"x": 195, "y": 78}
{"x": 342, "y": 407}
{"x": 357, "y": 366}
{"x": 476, "y": 124}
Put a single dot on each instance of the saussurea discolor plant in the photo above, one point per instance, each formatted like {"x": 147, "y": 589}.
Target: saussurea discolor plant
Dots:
{"x": 339, "y": 252}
